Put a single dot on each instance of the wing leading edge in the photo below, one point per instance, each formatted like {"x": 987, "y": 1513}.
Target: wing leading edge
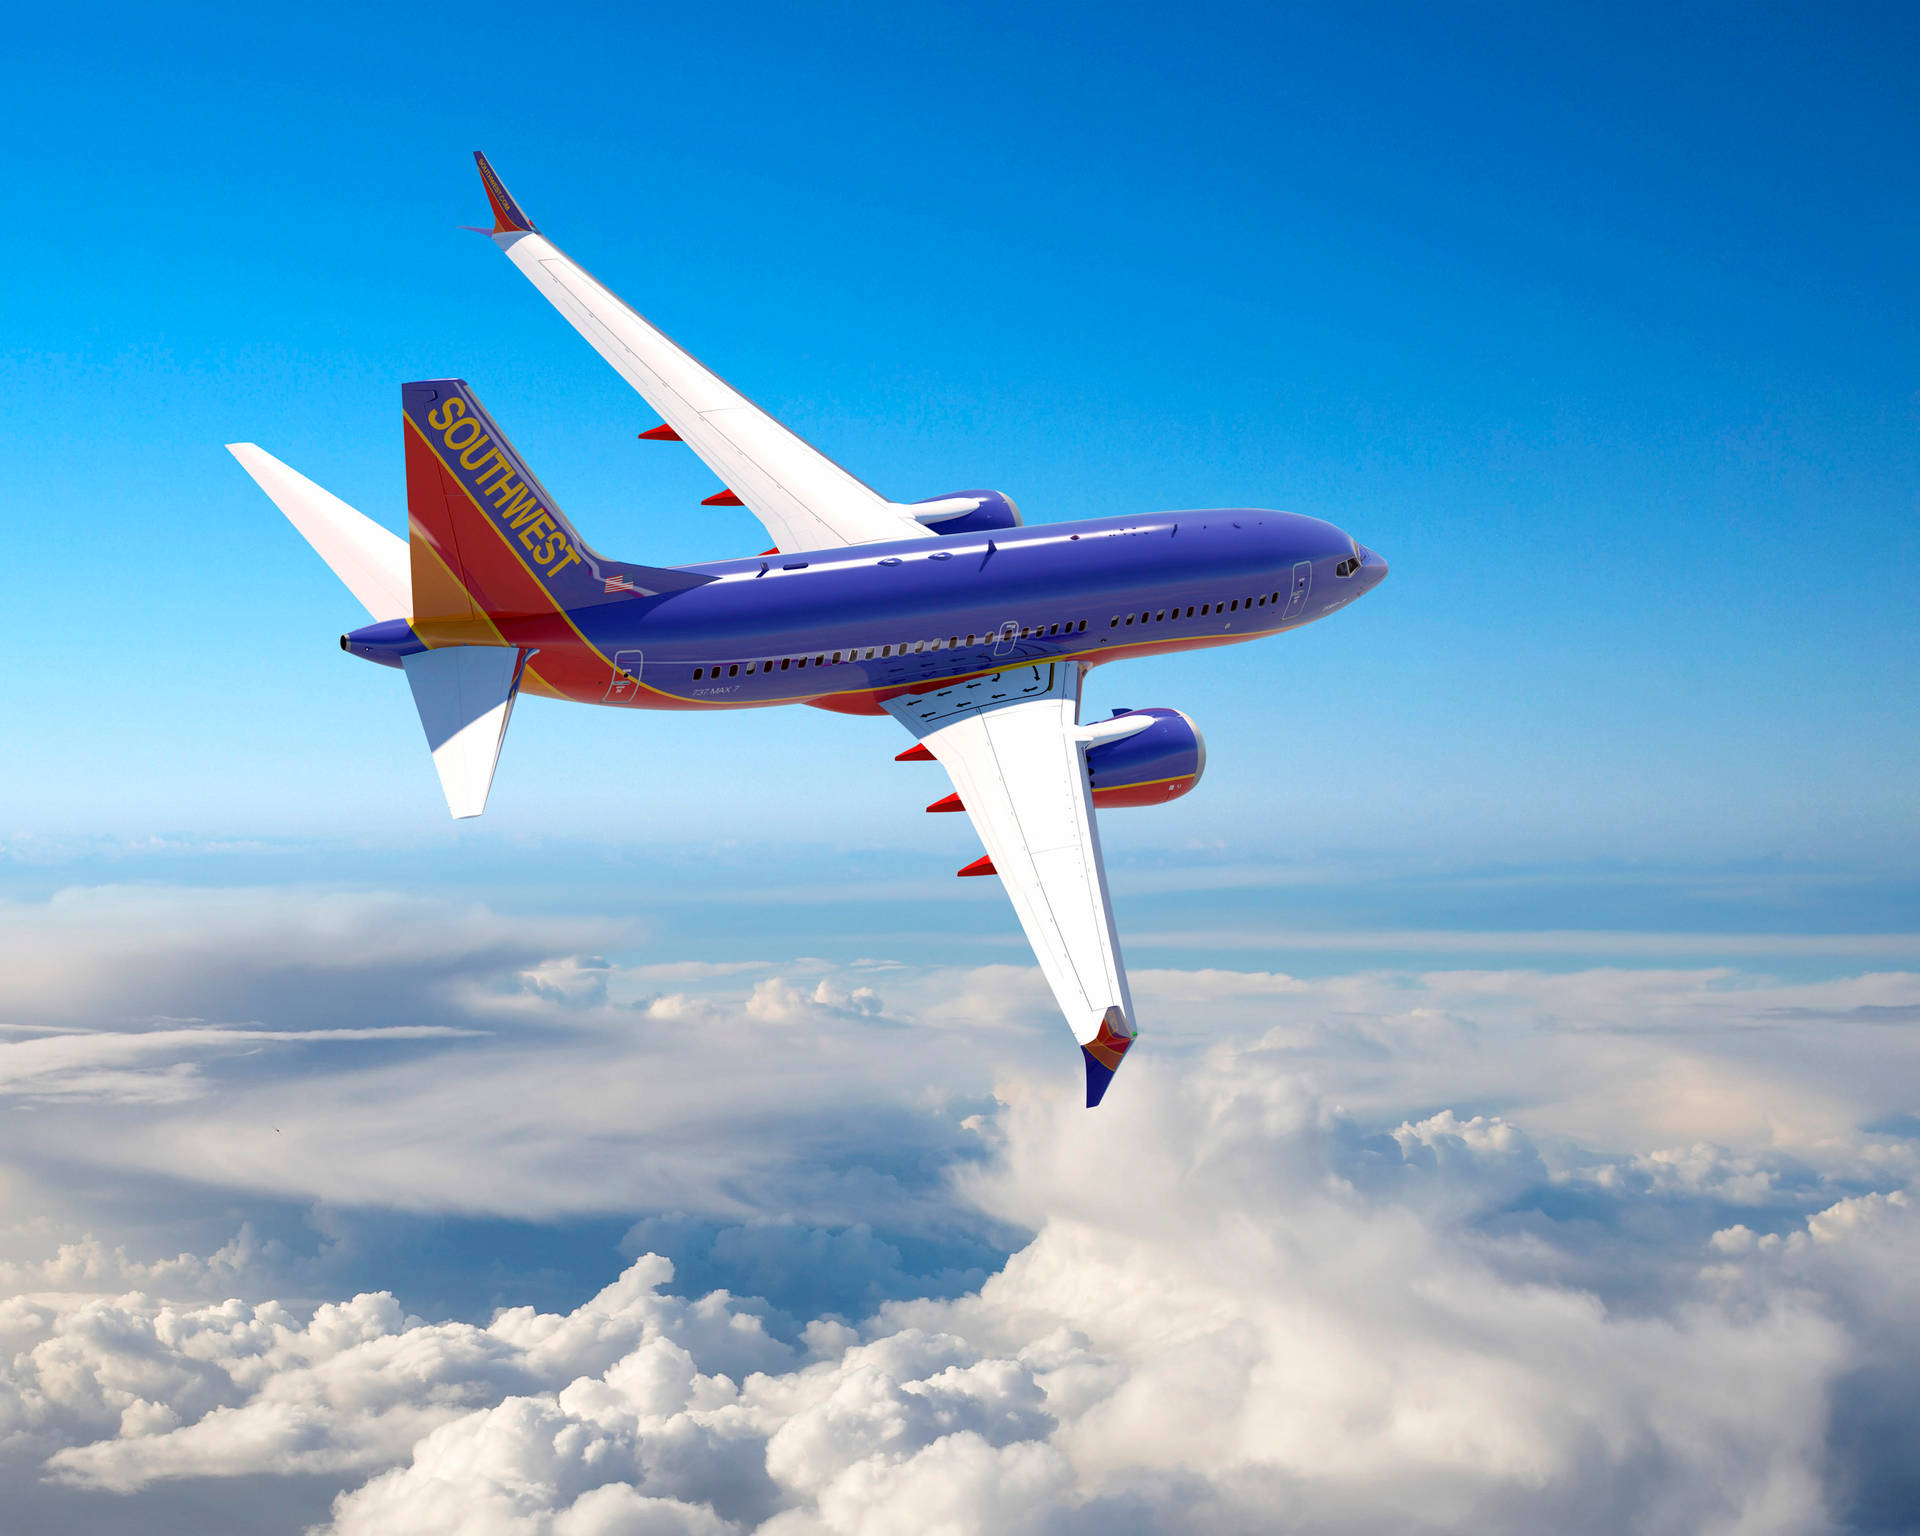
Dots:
{"x": 805, "y": 500}
{"x": 1013, "y": 747}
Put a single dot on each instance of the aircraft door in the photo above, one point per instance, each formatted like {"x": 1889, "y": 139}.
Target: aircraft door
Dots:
{"x": 1302, "y": 584}
{"x": 1004, "y": 641}
{"x": 624, "y": 686}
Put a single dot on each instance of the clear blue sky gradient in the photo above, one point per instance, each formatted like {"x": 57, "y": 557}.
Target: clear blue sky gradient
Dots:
{"x": 1599, "y": 322}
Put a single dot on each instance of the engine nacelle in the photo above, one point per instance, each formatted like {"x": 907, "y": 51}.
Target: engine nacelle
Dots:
{"x": 990, "y": 510}
{"x": 1150, "y": 767}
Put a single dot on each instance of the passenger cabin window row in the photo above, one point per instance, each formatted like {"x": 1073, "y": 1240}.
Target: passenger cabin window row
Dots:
{"x": 1161, "y": 615}
{"x": 883, "y": 652}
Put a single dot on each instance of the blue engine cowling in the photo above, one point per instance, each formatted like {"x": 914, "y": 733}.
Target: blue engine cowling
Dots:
{"x": 994, "y": 511}
{"x": 1149, "y": 767}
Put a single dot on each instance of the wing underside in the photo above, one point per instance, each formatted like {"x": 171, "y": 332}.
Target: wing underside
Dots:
{"x": 1016, "y": 754}
{"x": 805, "y": 499}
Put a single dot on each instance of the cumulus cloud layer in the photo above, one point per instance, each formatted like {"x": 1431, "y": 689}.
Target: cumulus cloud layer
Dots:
{"x": 1503, "y": 1250}
{"x": 1237, "y": 1312}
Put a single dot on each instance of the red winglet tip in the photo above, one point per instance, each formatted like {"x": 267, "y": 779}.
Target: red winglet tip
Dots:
{"x": 1109, "y": 1045}
{"x": 723, "y": 499}
{"x": 661, "y": 434}
{"x": 507, "y": 217}
{"x": 917, "y": 753}
{"x": 980, "y": 866}
{"x": 949, "y": 803}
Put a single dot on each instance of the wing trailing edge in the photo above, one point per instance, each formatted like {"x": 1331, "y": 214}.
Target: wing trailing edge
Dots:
{"x": 802, "y": 497}
{"x": 1012, "y": 745}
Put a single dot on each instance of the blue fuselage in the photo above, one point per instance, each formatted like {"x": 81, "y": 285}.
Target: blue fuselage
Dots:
{"x": 843, "y": 627}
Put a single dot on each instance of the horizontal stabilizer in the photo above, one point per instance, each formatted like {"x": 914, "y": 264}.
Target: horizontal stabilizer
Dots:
{"x": 372, "y": 561}
{"x": 465, "y": 696}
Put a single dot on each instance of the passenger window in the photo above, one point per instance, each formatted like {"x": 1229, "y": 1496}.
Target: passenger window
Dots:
{"x": 1083, "y": 626}
{"x": 1189, "y": 610}
{"x": 1203, "y": 610}
{"x": 1160, "y": 615}
{"x": 697, "y": 673}
{"x": 1129, "y": 618}
{"x": 750, "y": 667}
{"x": 1115, "y": 624}
{"x": 869, "y": 653}
{"x": 734, "y": 670}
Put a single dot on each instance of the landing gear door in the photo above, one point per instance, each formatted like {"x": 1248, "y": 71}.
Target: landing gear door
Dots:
{"x": 624, "y": 686}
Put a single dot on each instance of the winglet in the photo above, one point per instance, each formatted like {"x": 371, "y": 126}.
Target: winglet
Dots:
{"x": 507, "y": 217}
{"x": 1104, "y": 1053}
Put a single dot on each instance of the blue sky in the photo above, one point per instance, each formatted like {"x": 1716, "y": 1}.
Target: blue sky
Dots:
{"x": 1599, "y": 324}
{"x": 1531, "y": 991}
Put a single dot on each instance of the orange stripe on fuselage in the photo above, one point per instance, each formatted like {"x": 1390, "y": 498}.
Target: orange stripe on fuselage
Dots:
{"x": 506, "y": 589}
{"x": 433, "y": 637}
{"x": 867, "y": 701}
{"x": 518, "y": 604}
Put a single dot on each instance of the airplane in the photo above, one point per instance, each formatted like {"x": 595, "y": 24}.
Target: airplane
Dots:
{"x": 972, "y": 629}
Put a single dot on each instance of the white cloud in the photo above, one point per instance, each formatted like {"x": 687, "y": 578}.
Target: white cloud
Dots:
{"x": 1232, "y": 1314}
{"x": 1506, "y": 1249}
{"x": 420, "y": 1055}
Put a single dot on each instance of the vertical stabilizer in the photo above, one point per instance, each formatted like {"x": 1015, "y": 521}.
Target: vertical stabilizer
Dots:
{"x": 465, "y": 697}
{"x": 488, "y": 544}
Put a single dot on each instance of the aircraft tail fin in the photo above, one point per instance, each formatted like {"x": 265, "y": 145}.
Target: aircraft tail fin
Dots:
{"x": 371, "y": 562}
{"x": 486, "y": 538}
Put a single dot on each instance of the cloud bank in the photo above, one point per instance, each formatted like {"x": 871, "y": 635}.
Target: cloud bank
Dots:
{"x": 1237, "y": 1313}
{"x": 1501, "y": 1250}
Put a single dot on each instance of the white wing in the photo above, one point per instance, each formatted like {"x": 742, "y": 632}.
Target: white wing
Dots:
{"x": 1017, "y": 757}
{"x": 371, "y": 560}
{"x": 805, "y": 499}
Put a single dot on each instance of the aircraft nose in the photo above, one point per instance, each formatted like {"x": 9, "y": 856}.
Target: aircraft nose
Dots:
{"x": 1373, "y": 568}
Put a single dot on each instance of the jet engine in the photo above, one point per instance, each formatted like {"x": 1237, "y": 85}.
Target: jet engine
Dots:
{"x": 968, "y": 512}
{"x": 1151, "y": 766}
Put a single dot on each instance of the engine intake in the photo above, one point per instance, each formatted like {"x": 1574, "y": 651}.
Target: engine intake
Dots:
{"x": 1150, "y": 767}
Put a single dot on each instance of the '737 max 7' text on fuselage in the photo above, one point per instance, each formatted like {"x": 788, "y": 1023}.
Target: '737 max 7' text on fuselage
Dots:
{"x": 972, "y": 630}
